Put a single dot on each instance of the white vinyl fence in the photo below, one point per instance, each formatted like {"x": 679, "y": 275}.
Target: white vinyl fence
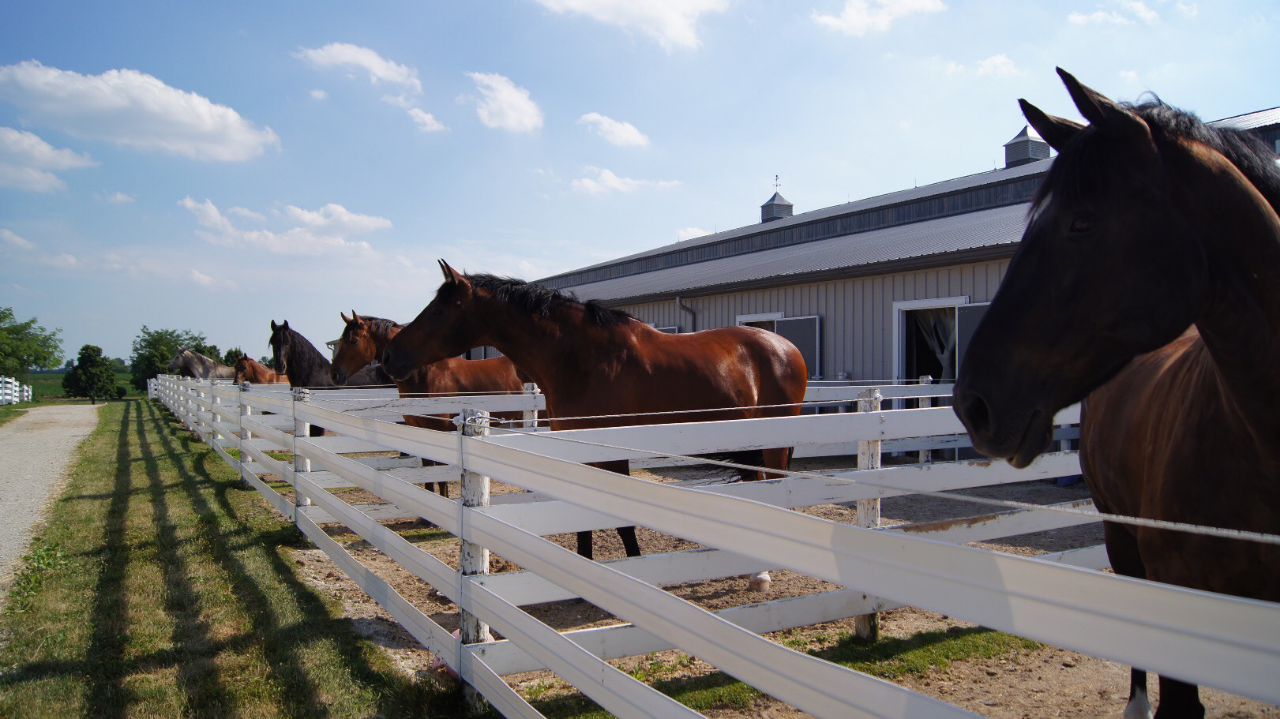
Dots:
{"x": 12, "y": 391}
{"x": 745, "y": 527}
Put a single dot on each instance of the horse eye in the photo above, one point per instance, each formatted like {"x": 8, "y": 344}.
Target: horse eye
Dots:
{"x": 1082, "y": 225}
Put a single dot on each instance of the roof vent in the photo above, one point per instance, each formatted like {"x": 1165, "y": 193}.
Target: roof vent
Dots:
{"x": 1026, "y": 146}
{"x": 776, "y": 208}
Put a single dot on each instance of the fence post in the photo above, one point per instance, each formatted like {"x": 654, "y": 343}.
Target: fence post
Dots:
{"x": 245, "y": 435}
{"x": 531, "y": 415}
{"x": 301, "y": 428}
{"x": 926, "y": 455}
{"x": 867, "y": 626}
{"x": 474, "y": 558}
{"x": 214, "y": 435}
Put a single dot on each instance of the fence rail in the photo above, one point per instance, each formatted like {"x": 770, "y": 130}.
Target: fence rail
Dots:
{"x": 1233, "y": 644}
{"x": 12, "y": 391}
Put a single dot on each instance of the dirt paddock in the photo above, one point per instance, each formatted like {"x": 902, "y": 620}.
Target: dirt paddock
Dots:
{"x": 1044, "y": 682}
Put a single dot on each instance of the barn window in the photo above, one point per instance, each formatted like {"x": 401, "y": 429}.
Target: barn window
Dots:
{"x": 802, "y": 331}
{"x": 931, "y": 336}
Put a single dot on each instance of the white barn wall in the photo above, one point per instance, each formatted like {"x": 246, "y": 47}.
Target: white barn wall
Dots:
{"x": 857, "y": 313}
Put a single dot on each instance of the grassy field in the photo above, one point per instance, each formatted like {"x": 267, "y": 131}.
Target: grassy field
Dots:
{"x": 47, "y": 387}
{"x": 160, "y": 589}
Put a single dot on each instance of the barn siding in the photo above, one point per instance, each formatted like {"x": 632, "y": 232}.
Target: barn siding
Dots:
{"x": 857, "y": 322}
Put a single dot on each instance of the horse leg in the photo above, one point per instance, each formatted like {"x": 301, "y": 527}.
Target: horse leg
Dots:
{"x": 1179, "y": 700}
{"x": 777, "y": 458}
{"x": 626, "y": 534}
{"x": 1139, "y": 706}
{"x": 1122, "y": 550}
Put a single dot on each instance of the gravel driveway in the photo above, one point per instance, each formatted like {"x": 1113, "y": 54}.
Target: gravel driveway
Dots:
{"x": 36, "y": 450}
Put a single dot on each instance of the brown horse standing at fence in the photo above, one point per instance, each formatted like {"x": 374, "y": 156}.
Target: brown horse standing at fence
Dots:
{"x": 590, "y": 360}
{"x": 364, "y": 339}
{"x": 1147, "y": 281}
{"x": 249, "y": 369}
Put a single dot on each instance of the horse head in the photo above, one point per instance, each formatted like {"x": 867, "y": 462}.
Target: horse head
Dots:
{"x": 1107, "y": 269}
{"x": 446, "y": 327}
{"x": 354, "y": 350}
{"x": 280, "y": 340}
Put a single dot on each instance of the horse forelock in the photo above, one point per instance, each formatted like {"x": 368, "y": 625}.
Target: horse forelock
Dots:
{"x": 377, "y": 326}
{"x": 541, "y": 300}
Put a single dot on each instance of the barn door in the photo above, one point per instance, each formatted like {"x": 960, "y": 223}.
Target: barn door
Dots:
{"x": 967, "y": 319}
{"x": 803, "y": 333}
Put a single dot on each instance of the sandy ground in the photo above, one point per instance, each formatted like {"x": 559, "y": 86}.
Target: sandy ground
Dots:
{"x": 36, "y": 450}
{"x": 1048, "y": 682}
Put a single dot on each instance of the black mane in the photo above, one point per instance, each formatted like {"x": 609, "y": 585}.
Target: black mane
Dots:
{"x": 539, "y": 300}
{"x": 304, "y": 362}
{"x": 1072, "y": 171}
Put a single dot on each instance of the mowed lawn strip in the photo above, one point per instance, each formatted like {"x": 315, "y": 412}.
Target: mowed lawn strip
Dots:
{"x": 159, "y": 588}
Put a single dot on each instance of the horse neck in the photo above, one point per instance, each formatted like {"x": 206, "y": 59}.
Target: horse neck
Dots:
{"x": 545, "y": 348}
{"x": 1240, "y": 231}
{"x": 307, "y": 363}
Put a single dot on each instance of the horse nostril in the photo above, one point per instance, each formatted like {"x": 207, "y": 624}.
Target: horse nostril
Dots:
{"x": 974, "y": 412}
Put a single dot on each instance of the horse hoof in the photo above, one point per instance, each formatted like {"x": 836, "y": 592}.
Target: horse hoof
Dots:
{"x": 759, "y": 582}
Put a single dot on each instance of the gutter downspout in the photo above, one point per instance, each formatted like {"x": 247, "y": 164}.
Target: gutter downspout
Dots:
{"x": 692, "y": 314}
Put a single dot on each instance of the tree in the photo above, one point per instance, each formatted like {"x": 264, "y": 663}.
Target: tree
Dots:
{"x": 24, "y": 345}
{"x": 232, "y": 356}
{"x": 154, "y": 349}
{"x": 92, "y": 377}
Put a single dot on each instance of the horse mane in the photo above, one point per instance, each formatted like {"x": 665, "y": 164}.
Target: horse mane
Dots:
{"x": 379, "y": 325}
{"x": 1255, "y": 160}
{"x": 304, "y": 358}
{"x": 539, "y": 300}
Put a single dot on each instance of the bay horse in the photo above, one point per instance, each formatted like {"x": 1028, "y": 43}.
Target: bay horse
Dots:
{"x": 591, "y": 360}
{"x": 249, "y": 369}
{"x": 190, "y": 363}
{"x": 364, "y": 339}
{"x": 1146, "y": 285}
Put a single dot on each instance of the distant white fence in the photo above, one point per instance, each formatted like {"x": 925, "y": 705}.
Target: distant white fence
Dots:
{"x": 12, "y": 391}
{"x": 746, "y": 527}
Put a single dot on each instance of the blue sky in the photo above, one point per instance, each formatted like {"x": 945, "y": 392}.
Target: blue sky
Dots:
{"x": 215, "y": 166}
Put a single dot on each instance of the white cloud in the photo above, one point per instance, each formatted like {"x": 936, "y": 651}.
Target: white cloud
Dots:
{"x": 688, "y": 233}
{"x": 201, "y": 278}
{"x": 426, "y": 121}
{"x": 605, "y": 182}
{"x": 319, "y": 94}
{"x": 998, "y": 65}
{"x": 1129, "y": 75}
{"x": 12, "y": 238}
{"x": 61, "y": 261}
{"x": 320, "y": 232}
{"x": 953, "y": 68}
{"x": 353, "y": 57}
{"x": 867, "y": 16}
{"x": 673, "y": 23}
{"x": 27, "y": 162}
{"x": 1098, "y": 17}
{"x": 247, "y": 213}
{"x": 1140, "y": 9}
{"x": 1188, "y": 9}
{"x": 120, "y": 198}
{"x": 615, "y": 132}
{"x": 133, "y": 109}
{"x": 505, "y": 106}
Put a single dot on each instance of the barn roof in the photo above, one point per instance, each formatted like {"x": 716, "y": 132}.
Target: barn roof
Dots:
{"x": 1250, "y": 120}
{"x": 969, "y": 237}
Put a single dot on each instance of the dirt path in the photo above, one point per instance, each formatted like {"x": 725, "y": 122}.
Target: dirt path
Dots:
{"x": 36, "y": 450}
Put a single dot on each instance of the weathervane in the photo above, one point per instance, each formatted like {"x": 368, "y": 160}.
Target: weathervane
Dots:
{"x": 776, "y": 184}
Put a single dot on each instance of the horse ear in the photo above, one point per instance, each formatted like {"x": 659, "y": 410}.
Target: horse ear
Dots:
{"x": 284, "y": 325}
{"x": 344, "y": 316}
{"x": 273, "y": 326}
{"x": 1056, "y": 131}
{"x": 451, "y": 275}
{"x": 1099, "y": 109}
{"x": 354, "y": 316}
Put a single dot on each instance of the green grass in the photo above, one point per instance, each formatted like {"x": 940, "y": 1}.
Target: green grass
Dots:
{"x": 46, "y": 387}
{"x": 9, "y": 413}
{"x": 160, "y": 589}
{"x": 887, "y": 658}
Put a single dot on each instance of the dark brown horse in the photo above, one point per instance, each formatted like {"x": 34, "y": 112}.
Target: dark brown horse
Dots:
{"x": 364, "y": 339}
{"x": 295, "y": 356}
{"x": 591, "y": 360}
{"x": 1147, "y": 282}
{"x": 249, "y": 369}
